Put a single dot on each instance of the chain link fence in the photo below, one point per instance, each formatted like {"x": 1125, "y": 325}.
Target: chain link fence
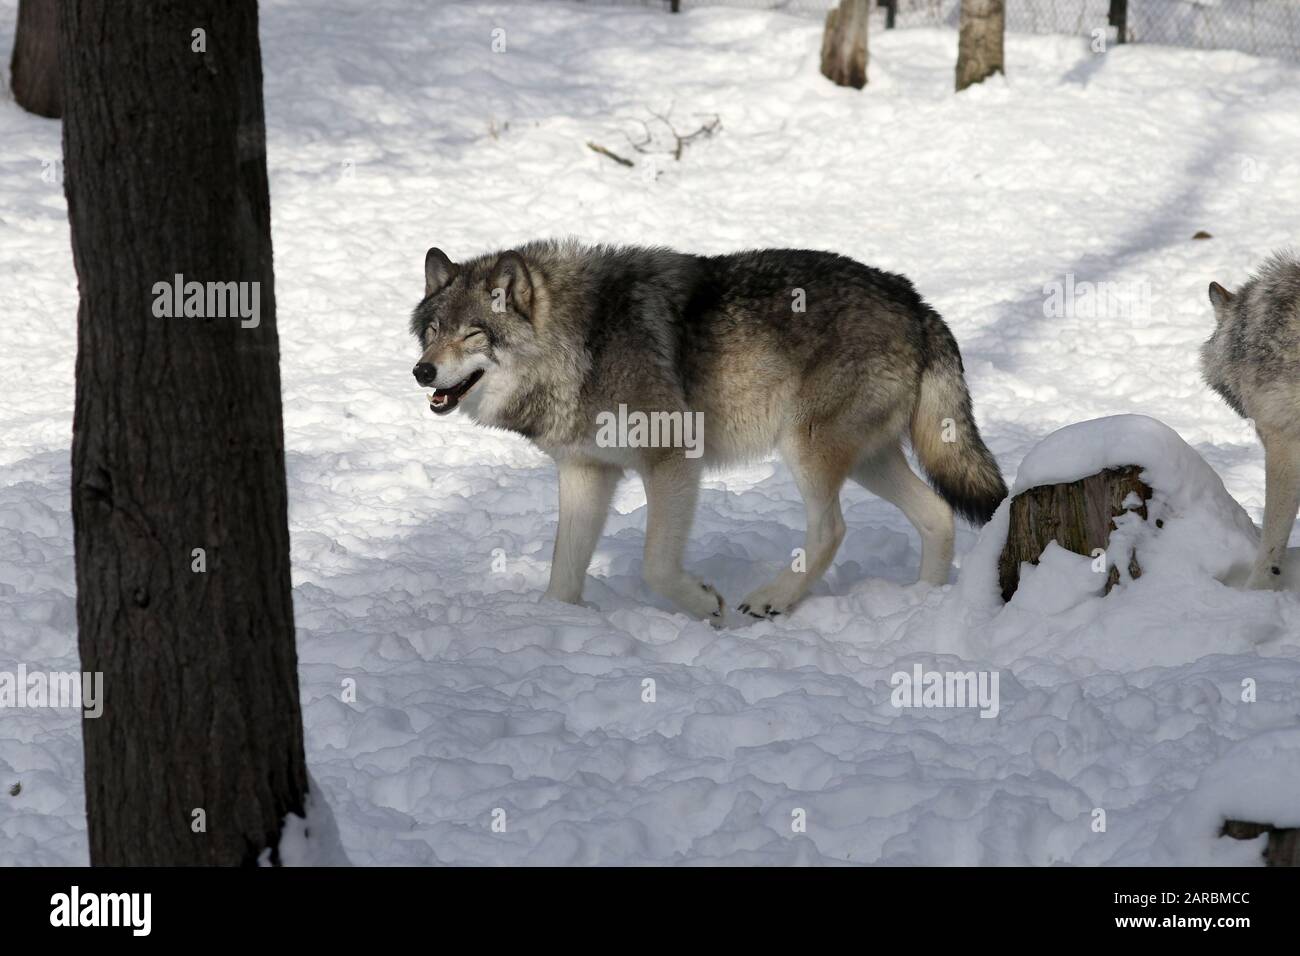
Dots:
{"x": 1261, "y": 27}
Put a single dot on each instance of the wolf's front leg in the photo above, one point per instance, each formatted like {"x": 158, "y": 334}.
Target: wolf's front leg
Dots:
{"x": 586, "y": 489}
{"x": 1281, "y": 502}
{"x": 672, "y": 485}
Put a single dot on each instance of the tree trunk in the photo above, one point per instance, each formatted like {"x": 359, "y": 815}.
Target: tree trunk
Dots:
{"x": 177, "y": 440}
{"x": 34, "y": 67}
{"x": 1076, "y": 515}
{"x": 979, "y": 48}
{"x": 891, "y": 12}
{"x": 1118, "y": 17}
{"x": 844, "y": 43}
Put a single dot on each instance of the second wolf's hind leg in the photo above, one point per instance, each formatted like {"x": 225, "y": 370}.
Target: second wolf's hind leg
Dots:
{"x": 887, "y": 474}
{"x": 1281, "y": 502}
{"x": 671, "y": 488}
{"x": 819, "y": 471}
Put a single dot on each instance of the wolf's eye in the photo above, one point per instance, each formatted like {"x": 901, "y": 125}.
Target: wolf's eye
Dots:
{"x": 474, "y": 334}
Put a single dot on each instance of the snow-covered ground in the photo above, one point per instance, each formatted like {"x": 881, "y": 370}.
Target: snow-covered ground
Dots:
{"x": 421, "y": 546}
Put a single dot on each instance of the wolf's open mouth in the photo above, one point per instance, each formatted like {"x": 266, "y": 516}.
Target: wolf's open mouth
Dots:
{"x": 443, "y": 400}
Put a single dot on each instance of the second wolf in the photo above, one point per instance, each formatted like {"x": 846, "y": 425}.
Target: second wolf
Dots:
{"x": 831, "y": 362}
{"x": 1253, "y": 361}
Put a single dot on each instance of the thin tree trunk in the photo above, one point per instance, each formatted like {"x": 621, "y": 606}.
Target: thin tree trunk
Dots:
{"x": 844, "y": 43}
{"x": 891, "y": 12}
{"x": 177, "y": 440}
{"x": 979, "y": 48}
{"x": 34, "y": 67}
{"x": 1118, "y": 17}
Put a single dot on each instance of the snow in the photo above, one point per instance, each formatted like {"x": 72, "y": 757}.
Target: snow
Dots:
{"x": 312, "y": 839}
{"x": 1256, "y": 780}
{"x": 490, "y": 728}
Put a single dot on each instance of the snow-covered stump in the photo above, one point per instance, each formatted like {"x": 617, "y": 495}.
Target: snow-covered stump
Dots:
{"x": 844, "y": 44}
{"x": 1283, "y": 848}
{"x": 1077, "y": 515}
{"x": 1096, "y": 504}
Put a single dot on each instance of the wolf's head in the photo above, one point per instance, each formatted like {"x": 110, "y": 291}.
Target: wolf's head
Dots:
{"x": 1269, "y": 299}
{"x": 472, "y": 324}
{"x": 1255, "y": 335}
{"x": 1215, "y": 364}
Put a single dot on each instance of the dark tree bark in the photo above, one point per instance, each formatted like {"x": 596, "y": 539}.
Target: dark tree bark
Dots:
{"x": 1077, "y": 515}
{"x": 1118, "y": 17}
{"x": 891, "y": 12}
{"x": 34, "y": 67}
{"x": 177, "y": 439}
{"x": 979, "y": 46}
{"x": 844, "y": 43}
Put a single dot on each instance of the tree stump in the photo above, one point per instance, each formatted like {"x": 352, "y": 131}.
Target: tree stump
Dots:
{"x": 1078, "y": 515}
{"x": 844, "y": 44}
{"x": 1283, "y": 847}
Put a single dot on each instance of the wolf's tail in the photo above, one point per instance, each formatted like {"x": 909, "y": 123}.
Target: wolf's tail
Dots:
{"x": 945, "y": 438}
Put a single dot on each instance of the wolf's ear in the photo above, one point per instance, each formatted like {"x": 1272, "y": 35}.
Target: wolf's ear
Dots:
{"x": 511, "y": 279}
{"x": 438, "y": 271}
{"x": 1220, "y": 297}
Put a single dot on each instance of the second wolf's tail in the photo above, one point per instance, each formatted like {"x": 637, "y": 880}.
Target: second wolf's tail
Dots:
{"x": 945, "y": 438}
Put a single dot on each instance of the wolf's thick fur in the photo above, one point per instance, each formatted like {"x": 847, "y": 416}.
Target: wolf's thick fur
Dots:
{"x": 836, "y": 386}
{"x": 1253, "y": 361}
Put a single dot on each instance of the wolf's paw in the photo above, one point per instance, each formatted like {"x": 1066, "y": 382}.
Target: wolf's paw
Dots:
{"x": 764, "y": 613}
{"x": 711, "y": 606}
{"x": 703, "y": 601}
{"x": 694, "y": 597}
{"x": 775, "y": 599}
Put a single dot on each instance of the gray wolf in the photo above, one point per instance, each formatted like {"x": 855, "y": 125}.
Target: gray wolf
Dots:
{"x": 831, "y": 362}
{"x": 1253, "y": 361}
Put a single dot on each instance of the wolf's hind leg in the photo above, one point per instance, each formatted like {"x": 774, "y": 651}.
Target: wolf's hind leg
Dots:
{"x": 586, "y": 490}
{"x": 887, "y": 474}
{"x": 1281, "y": 502}
{"x": 672, "y": 486}
{"x": 819, "y": 471}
